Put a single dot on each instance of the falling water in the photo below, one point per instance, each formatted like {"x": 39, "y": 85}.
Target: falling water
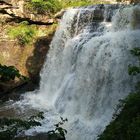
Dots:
{"x": 85, "y": 73}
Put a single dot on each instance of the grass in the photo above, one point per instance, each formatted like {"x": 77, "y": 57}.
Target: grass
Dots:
{"x": 77, "y": 3}
{"x": 23, "y": 33}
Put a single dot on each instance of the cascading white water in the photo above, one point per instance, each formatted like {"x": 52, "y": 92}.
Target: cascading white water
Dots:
{"x": 85, "y": 73}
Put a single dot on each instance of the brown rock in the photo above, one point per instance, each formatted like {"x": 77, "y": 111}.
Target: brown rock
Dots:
{"x": 60, "y": 14}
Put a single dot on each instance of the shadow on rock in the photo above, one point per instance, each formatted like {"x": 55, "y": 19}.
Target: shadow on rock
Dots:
{"x": 35, "y": 62}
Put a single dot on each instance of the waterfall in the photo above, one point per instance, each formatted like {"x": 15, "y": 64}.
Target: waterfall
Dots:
{"x": 86, "y": 69}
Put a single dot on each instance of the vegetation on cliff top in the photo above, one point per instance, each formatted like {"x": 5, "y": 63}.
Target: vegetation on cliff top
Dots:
{"x": 48, "y": 7}
{"x": 43, "y": 6}
{"x": 53, "y": 6}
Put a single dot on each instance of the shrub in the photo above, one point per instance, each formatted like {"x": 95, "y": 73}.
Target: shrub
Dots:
{"x": 44, "y": 6}
{"x": 53, "y": 6}
{"x": 58, "y": 129}
{"x": 126, "y": 126}
{"x": 23, "y": 33}
{"x": 8, "y": 73}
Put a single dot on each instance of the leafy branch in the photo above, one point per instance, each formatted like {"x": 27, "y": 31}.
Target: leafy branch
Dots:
{"x": 8, "y": 73}
{"x": 9, "y": 128}
{"x": 58, "y": 128}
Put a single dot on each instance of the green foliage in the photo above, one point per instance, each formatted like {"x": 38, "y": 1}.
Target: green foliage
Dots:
{"x": 8, "y": 73}
{"x": 9, "y": 128}
{"x": 44, "y": 6}
{"x": 75, "y": 3}
{"x": 134, "y": 70}
{"x": 135, "y": 52}
{"x": 53, "y": 6}
{"x": 126, "y": 124}
{"x": 58, "y": 129}
{"x": 23, "y": 33}
{"x": 130, "y": 1}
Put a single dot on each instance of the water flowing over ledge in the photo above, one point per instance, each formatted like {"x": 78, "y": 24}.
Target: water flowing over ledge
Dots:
{"x": 85, "y": 73}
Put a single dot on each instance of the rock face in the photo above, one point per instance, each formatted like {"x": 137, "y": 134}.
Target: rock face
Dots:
{"x": 28, "y": 59}
{"x": 18, "y": 8}
{"x": 60, "y": 14}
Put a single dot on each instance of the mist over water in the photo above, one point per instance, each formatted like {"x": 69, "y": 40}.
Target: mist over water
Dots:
{"x": 86, "y": 69}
